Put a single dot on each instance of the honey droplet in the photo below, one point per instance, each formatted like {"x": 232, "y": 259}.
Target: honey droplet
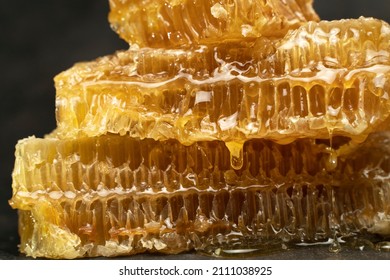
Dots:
{"x": 383, "y": 246}
{"x": 362, "y": 244}
{"x": 331, "y": 163}
{"x": 335, "y": 246}
{"x": 236, "y": 154}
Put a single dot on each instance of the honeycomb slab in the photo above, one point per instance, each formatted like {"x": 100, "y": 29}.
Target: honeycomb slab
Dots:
{"x": 165, "y": 23}
{"x": 315, "y": 82}
{"x": 116, "y": 195}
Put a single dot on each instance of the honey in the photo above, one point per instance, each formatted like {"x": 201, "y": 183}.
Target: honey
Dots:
{"x": 225, "y": 125}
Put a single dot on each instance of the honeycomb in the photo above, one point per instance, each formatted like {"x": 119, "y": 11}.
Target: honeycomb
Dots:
{"x": 316, "y": 81}
{"x": 226, "y": 125}
{"x": 164, "y": 23}
{"x": 117, "y": 195}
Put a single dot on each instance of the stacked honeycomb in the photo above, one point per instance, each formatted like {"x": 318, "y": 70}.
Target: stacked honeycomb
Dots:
{"x": 227, "y": 124}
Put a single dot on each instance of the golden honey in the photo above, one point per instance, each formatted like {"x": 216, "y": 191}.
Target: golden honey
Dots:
{"x": 226, "y": 125}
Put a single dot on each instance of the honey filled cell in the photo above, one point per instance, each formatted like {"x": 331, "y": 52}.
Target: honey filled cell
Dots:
{"x": 116, "y": 195}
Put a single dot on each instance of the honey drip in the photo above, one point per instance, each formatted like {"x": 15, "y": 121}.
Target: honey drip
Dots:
{"x": 335, "y": 246}
{"x": 236, "y": 154}
{"x": 227, "y": 126}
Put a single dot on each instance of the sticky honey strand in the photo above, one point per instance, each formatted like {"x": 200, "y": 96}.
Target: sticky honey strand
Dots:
{"x": 165, "y": 23}
{"x": 324, "y": 79}
{"x": 116, "y": 195}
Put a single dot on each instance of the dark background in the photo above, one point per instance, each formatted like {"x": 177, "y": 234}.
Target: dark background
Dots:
{"x": 39, "y": 39}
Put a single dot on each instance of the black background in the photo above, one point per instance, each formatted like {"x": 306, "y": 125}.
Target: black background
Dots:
{"x": 39, "y": 39}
